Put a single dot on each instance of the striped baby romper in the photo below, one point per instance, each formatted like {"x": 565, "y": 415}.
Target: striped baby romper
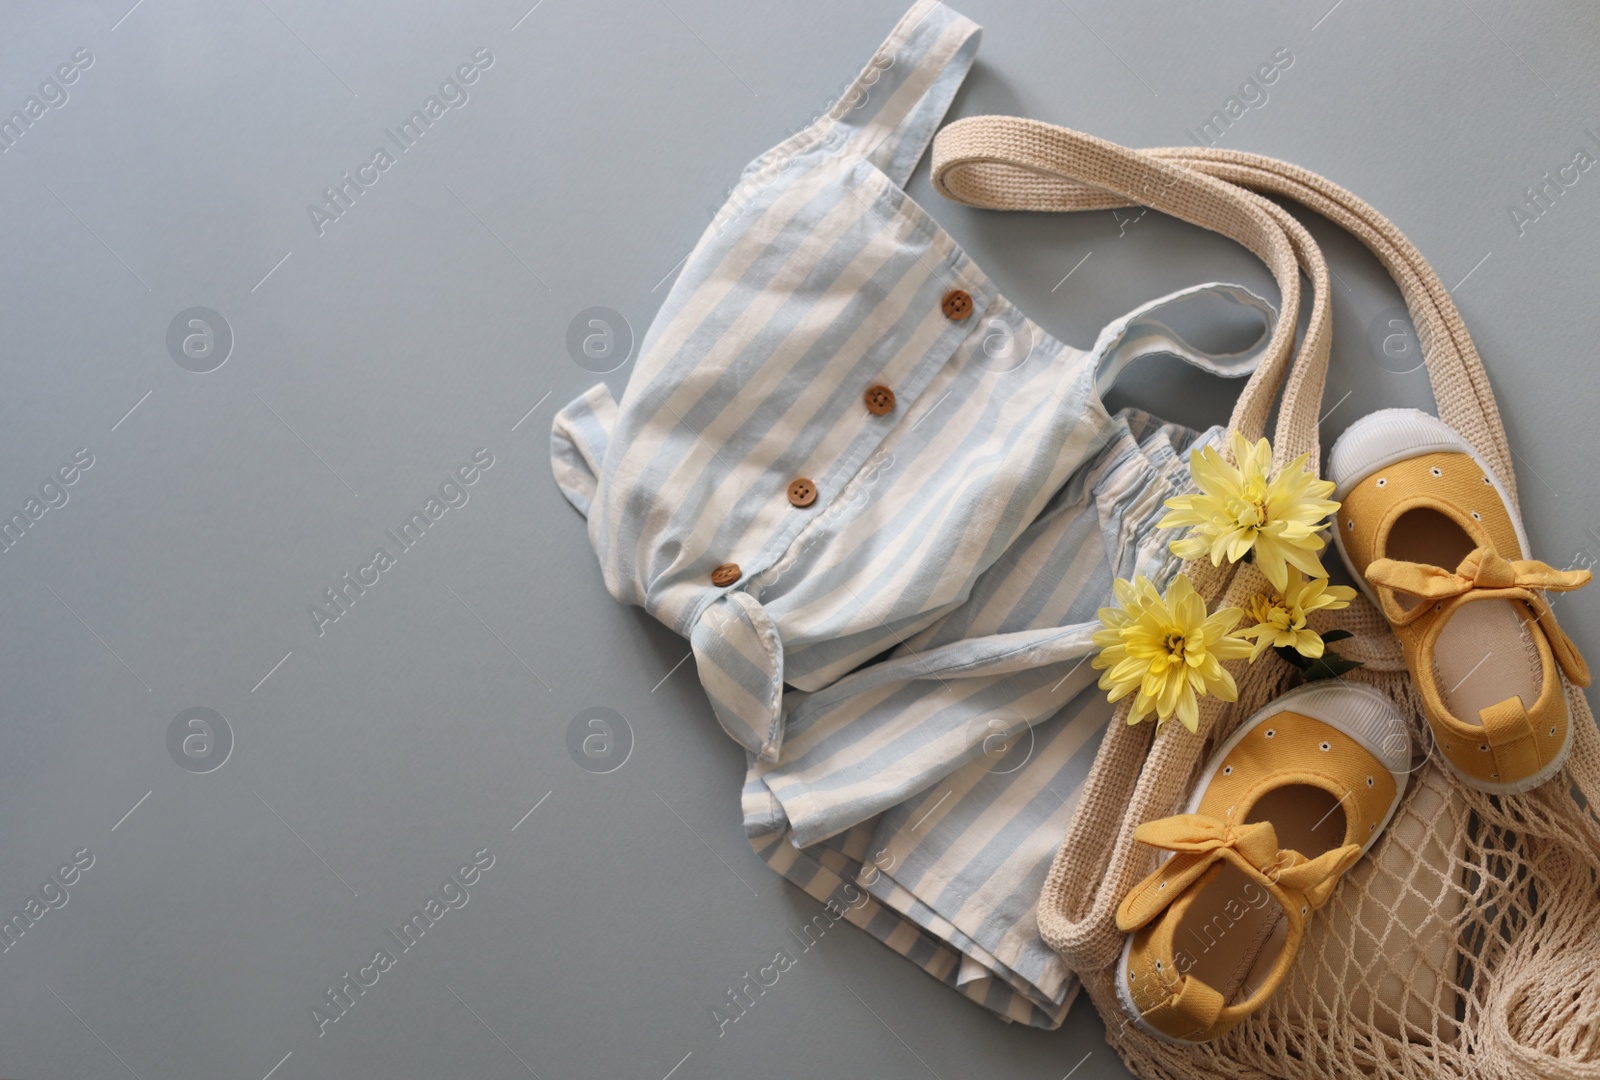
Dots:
{"x": 883, "y": 506}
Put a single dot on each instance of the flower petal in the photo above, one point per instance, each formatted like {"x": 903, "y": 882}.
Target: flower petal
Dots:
{"x": 1309, "y": 643}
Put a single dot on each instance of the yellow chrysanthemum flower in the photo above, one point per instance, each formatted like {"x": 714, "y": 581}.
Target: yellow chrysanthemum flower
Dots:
{"x": 1246, "y": 508}
{"x": 1167, "y": 649}
{"x": 1280, "y": 618}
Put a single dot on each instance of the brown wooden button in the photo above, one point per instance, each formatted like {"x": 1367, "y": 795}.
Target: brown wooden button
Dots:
{"x": 726, "y": 574}
{"x": 879, "y": 399}
{"x": 957, "y": 304}
{"x": 802, "y": 492}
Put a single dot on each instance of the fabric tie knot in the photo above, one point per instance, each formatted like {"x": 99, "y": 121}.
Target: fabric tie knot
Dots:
{"x": 1488, "y": 569}
{"x": 1199, "y": 842}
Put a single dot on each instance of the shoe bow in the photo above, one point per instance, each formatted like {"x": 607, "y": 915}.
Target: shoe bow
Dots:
{"x": 1199, "y": 842}
{"x": 1485, "y": 571}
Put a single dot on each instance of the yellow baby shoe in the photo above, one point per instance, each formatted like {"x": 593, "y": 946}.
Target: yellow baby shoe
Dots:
{"x": 1288, "y": 803}
{"x": 1431, "y": 536}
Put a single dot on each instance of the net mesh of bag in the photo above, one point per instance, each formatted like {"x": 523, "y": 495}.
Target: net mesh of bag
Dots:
{"x": 1467, "y": 942}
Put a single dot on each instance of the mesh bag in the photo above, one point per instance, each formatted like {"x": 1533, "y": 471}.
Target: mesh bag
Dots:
{"x": 1467, "y": 943}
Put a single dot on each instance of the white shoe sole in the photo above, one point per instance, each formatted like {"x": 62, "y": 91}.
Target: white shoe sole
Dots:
{"x": 1363, "y": 713}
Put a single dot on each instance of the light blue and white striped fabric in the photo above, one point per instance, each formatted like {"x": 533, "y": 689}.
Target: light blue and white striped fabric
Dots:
{"x": 905, "y": 659}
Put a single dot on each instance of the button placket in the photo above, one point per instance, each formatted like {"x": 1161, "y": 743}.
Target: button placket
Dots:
{"x": 880, "y": 400}
{"x": 957, "y": 306}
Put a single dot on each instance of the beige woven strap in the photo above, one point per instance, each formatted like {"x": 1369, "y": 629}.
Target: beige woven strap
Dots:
{"x": 1013, "y": 163}
{"x": 1009, "y": 163}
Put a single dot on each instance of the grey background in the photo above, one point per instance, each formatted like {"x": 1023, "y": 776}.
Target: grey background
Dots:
{"x": 430, "y": 321}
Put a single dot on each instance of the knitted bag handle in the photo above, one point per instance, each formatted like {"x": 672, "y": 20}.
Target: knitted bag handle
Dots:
{"x": 1013, "y": 163}
{"x": 1018, "y": 164}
